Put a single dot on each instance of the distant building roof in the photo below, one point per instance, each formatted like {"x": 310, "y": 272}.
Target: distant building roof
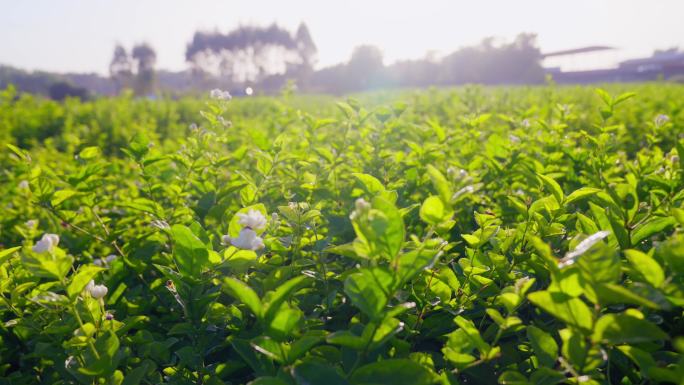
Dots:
{"x": 657, "y": 59}
{"x": 574, "y": 51}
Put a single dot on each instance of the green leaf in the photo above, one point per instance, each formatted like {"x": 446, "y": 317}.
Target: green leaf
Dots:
{"x": 273, "y": 300}
{"x": 547, "y": 376}
{"x": 413, "y": 262}
{"x": 605, "y": 96}
{"x": 553, "y": 186}
{"x": 545, "y": 347}
{"x": 512, "y": 378}
{"x": 377, "y": 230}
{"x": 106, "y": 346}
{"x": 611, "y": 294}
{"x": 55, "y": 266}
{"x": 269, "y": 347}
{"x": 623, "y": 97}
{"x": 62, "y": 195}
{"x": 7, "y": 253}
{"x": 312, "y": 372}
{"x": 651, "y": 227}
{"x": 580, "y": 193}
{"x": 433, "y": 211}
{"x": 391, "y": 238}
{"x": 347, "y": 339}
{"x": 268, "y": 381}
{"x": 625, "y": 328}
{"x": 468, "y": 327}
{"x": 89, "y": 153}
{"x": 80, "y": 280}
{"x": 572, "y": 311}
{"x": 302, "y": 346}
{"x": 440, "y": 183}
{"x": 369, "y": 290}
{"x": 189, "y": 252}
{"x": 646, "y": 266}
{"x": 393, "y": 371}
{"x": 370, "y": 183}
{"x": 600, "y": 264}
{"x": 242, "y": 292}
{"x": 135, "y": 376}
{"x": 284, "y": 322}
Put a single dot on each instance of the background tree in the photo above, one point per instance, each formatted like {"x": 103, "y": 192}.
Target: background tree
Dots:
{"x": 121, "y": 68}
{"x": 248, "y": 53}
{"x": 516, "y": 62}
{"x": 144, "y": 59}
{"x": 365, "y": 68}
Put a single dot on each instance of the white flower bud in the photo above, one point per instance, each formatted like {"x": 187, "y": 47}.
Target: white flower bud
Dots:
{"x": 46, "y": 243}
{"x": 362, "y": 205}
{"x": 96, "y": 291}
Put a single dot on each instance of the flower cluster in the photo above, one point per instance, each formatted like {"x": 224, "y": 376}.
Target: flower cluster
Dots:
{"x": 220, "y": 94}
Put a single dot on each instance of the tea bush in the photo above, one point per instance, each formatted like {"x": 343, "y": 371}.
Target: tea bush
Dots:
{"x": 470, "y": 236}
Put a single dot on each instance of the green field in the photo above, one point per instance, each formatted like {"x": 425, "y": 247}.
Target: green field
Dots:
{"x": 520, "y": 235}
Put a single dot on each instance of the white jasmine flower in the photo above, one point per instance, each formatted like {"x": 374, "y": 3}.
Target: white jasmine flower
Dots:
{"x": 220, "y": 94}
{"x": 252, "y": 219}
{"x": 661, "y": 120}
{"x": 247, "y": 240}
{"x": 23, "y": 185}
{"x": 582, "y": 247}
{"x": 46, "y": 243}
{"x": 96, "y": 291}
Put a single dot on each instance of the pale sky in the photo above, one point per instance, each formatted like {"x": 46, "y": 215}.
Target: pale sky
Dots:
{"x": 79, "y": 35}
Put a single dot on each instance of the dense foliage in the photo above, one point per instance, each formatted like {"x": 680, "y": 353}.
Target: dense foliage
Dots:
{"x": 478, "y": 235}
